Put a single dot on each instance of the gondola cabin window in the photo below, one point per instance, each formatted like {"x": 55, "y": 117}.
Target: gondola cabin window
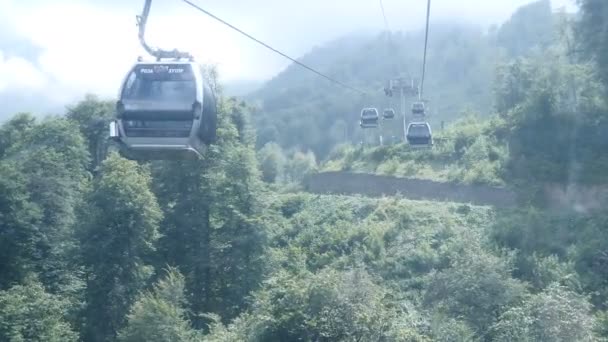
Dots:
{"x": 161, "y": 83}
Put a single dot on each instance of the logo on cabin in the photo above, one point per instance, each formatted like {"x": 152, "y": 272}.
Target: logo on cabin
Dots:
{"x": 161, "y": 69}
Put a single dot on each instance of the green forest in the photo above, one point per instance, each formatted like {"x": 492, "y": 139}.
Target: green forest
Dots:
{"x": 299, "y": 111}
{"x": 96, "y": 247}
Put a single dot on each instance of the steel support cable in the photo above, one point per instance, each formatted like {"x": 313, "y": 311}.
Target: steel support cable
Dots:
{"x": 426, "y": 42}
{"x": 333, "y": 80}
{"x": 384, "y": 16}
{"x": 391, "y": 45}
{"x": 397, "y": 63}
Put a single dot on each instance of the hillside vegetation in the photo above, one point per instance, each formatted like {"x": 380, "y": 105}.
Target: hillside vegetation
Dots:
{"x": 95, "y": 247}
{"x": 548, "y": 128}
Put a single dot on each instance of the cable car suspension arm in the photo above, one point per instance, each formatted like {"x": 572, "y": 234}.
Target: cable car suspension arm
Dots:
{"x": 142, "y": 20}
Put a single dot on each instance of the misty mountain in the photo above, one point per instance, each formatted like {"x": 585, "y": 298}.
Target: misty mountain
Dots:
{"x": 241, "y": 87}
{"x": 302, "y": 110}
{"x": 299, "y": 108}
{"x": 520, "y": 34}
{"x": 19, "y": 101}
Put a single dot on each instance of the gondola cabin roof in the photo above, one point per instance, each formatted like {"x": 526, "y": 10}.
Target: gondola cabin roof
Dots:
{"x": 389, "y": 113}
{"x": 369, "y": 112}
{"x": 418, "y": 105}
{"x": 419, "y": 128}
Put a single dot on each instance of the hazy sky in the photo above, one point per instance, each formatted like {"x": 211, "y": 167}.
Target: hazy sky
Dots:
{"x": 64, "y": 48}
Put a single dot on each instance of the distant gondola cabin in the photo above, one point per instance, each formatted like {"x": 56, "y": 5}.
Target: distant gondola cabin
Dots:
{"x": 369, "y": 118}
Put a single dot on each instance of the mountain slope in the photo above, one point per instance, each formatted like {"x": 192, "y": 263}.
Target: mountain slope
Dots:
{"x": 300, "y": 109}
{"x": 297, "y": 103}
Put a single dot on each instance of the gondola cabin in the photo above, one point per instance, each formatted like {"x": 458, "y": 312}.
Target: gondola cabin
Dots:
{"x": 389, "y": 113}
{"x": 418, "y": 109}
{"x": 166, "y": 110}
{"x": 369, "y": 118}
{"x": 419, "y": 134}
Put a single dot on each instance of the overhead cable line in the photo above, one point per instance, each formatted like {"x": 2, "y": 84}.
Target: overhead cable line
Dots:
{"x": 426, "y": 42}
{"x": 398, "y": 65}
{"x": 331, "y": 79}
{"x": 384, "y": 16}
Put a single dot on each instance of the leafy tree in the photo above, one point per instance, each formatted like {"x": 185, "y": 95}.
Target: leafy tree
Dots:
{"x": 51, "y": 160}
{"x": 328, "y": 306}
{"x": 300, "y": 165}
{"x": 601, "y": 329}
{"x": 120, "y": 233}
{"x": 19, "y": 227}
{"x": 512, "y": 84}
{"x": 573, "y": 256}
{"x": 58, "y": 192}
{"x": 531, "y": 26}
{"x": 546, "y": 271}
{"x": 158, "y": 315}
{"x": 272, "y": 162}
{"x": 446, "y": 328}
{"x": 553, "y": 115}
{"x": 93, "y": 116}
{"x": 475, "y": 288}
{"x": 482, "y": 162}
{"x": 15, "y": 130}
{"x": 55, "y": 162}
{"x": 60, "y": 136}
{"x": 212, "y": 232}
{"x": 29, "y": 313}
{"x": 593, "y": 33}
{"x": 556, "y": 314}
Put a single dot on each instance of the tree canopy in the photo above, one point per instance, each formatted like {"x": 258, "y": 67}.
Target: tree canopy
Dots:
{"x": 95, "y": 247}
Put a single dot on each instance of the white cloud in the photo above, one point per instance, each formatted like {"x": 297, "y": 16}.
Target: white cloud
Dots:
{"x": 90, "y": 48}
{"x": 87, "y": 50}
{"x": 19, "y": 74}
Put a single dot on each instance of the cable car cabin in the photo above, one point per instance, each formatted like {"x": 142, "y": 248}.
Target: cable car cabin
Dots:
{"x": 389, "y": 113}
{"x": 369, "y": 118}
{"x": 166, "y": 111}
{"x": 419, "y": 134}
{"x": 418, "y": 109}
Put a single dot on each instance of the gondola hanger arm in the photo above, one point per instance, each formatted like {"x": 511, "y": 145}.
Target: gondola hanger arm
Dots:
{"x": 142, "y": 21}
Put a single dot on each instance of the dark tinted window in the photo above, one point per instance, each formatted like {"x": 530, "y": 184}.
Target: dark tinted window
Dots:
{"x": 419, "y": 131}
{"x": 162, "y": 82}
{"x": 369, "y": 113}
{"x": 150, "y": 128}
{"x": 418, "y": 106}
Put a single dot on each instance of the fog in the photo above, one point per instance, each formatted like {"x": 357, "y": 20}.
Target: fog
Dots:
{"x": 64, "y": 48}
